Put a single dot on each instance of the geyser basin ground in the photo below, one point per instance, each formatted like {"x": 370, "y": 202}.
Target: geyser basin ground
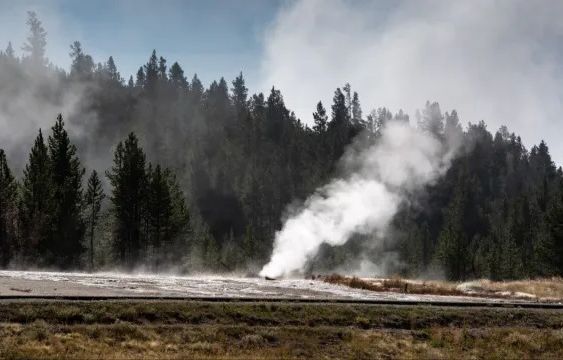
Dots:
{"x": 37, "y": 283}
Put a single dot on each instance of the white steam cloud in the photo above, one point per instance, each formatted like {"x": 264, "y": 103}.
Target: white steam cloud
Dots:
{"x": 364, "y": 202}
{"x": 493, "y": 60}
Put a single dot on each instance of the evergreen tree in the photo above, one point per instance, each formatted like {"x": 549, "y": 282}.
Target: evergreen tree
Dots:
{"x": 159, "y": 211}
{"x": 320, "y": 118}
{"x": 549, "y": 247}
{"x": 452, "y": 130}
{"x": 347, "y": 89}
{"x": 129, "y": 182}
{"x": 82, "y": 64}
{"x": 452, "y": 242}
{"x": 276, "y": 116}
{"x": 35, "y": 207}
{"x": 180, "y": 228}
{"x": 36, "y": 41}
{"x": 162, "y": 69}
{"x": 431, "y": 120}
{"x": 8, "y": 194}
{"x": 140, "y": 78}
{"x": 66, "y": 180}
{"x": 339, "y": 126}
{"x": 356, "y": 109}
{"x": 94, "y": 197}
{"x": 151, "y": 73}
{"x": 240, "y": 94}
{"x": 196, "y": 90}
{"x": 112, "y": 70}
{"x": 177, "y": 78}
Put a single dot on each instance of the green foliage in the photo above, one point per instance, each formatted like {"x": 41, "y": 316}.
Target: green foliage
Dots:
{"x": 35, "y": 207}
{"x": 129, "y": 183}
{"x": 67, "y": 225}
{"x": 93, "y": 198}
{"x": 227, "y": 164}
{"x": 8, "y": 212}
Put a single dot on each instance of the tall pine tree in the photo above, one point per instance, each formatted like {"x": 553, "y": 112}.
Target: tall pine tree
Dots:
{"x": 129, "y": 184}
{"x": 66, "y": 180}
{"x": 93, "y": 198}
{"x": 35, "y": 208}
{"x": 8, "y": 193}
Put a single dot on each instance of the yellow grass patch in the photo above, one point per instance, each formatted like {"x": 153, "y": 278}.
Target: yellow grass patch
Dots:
{"x": 548, "y": 290}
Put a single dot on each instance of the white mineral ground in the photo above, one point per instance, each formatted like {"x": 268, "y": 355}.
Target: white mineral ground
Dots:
{"x": 40, "y": 283}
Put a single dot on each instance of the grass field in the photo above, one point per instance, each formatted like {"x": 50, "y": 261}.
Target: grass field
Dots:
{"x": 166, "y": 329}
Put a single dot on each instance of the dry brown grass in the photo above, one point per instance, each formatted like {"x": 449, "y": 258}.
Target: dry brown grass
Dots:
{"x": 548, "y": 290}
{"x": 139, "y": 330}
{"x": 541, "y": 289}
{"x": 396, "y": 285}
{"x": 210, "y": 342}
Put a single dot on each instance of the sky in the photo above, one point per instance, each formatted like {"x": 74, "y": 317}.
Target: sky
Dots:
{"x": 493, "y": 60}
{"x": 211, "y": 38}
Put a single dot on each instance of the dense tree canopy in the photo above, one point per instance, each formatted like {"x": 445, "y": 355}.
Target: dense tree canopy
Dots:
{"x": 201, "y": 178}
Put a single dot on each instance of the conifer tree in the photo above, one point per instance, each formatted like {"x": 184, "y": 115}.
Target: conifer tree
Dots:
{"x": 549, "y": 247}
{"x": 36, "y": 41}
{"x": 339, "y": 125}
{"x": 240, "y": 94}
{"x": 356, "y": 109}
{"x": 112, "y": 70}
{"x": 162, "y": 69}
{"x": 196, "y": 90}
{"x": 159, "y": 211}
{"x": 36, "y": 207}
{"x": 129, "y": 182}
{"x": 8, "y": 194}
{"x": 151, "y": 73}
{"x": 140, "y": 78}
{"x": 94, "y": 197}
{"x": 177, "y": 78}
{"x": 452, "y": 243}
{"x": 66, "y": 180}
{"x": 320, "y": 118}
{"x": 347, "y": 89}
{"x": 431, "y": 120}
{"x": 82, "y": 64}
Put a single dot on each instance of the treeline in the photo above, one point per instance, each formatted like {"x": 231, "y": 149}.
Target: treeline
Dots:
{"x": 498, "y": 213}
{"x": 231, "y": 163}
{"x": 49, "y": 221}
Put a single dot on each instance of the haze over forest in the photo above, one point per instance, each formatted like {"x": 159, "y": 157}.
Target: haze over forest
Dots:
{"x": 158, "y": 172}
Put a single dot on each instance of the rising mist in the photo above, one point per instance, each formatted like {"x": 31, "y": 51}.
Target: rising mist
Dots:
{"x": 403, "y": 161}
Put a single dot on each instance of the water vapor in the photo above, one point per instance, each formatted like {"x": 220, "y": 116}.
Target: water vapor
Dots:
{"x": 498, "y": 61}
{"x": 403, "y": 161}
{"x": 31, "y": 102}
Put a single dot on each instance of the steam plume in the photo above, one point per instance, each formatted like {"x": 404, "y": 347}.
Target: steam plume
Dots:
{"x": 480, "y": 56}
{"x": 364, "y": 202}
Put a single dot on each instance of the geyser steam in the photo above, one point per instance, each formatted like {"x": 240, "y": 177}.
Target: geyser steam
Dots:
{"x": 363, "y": 202}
